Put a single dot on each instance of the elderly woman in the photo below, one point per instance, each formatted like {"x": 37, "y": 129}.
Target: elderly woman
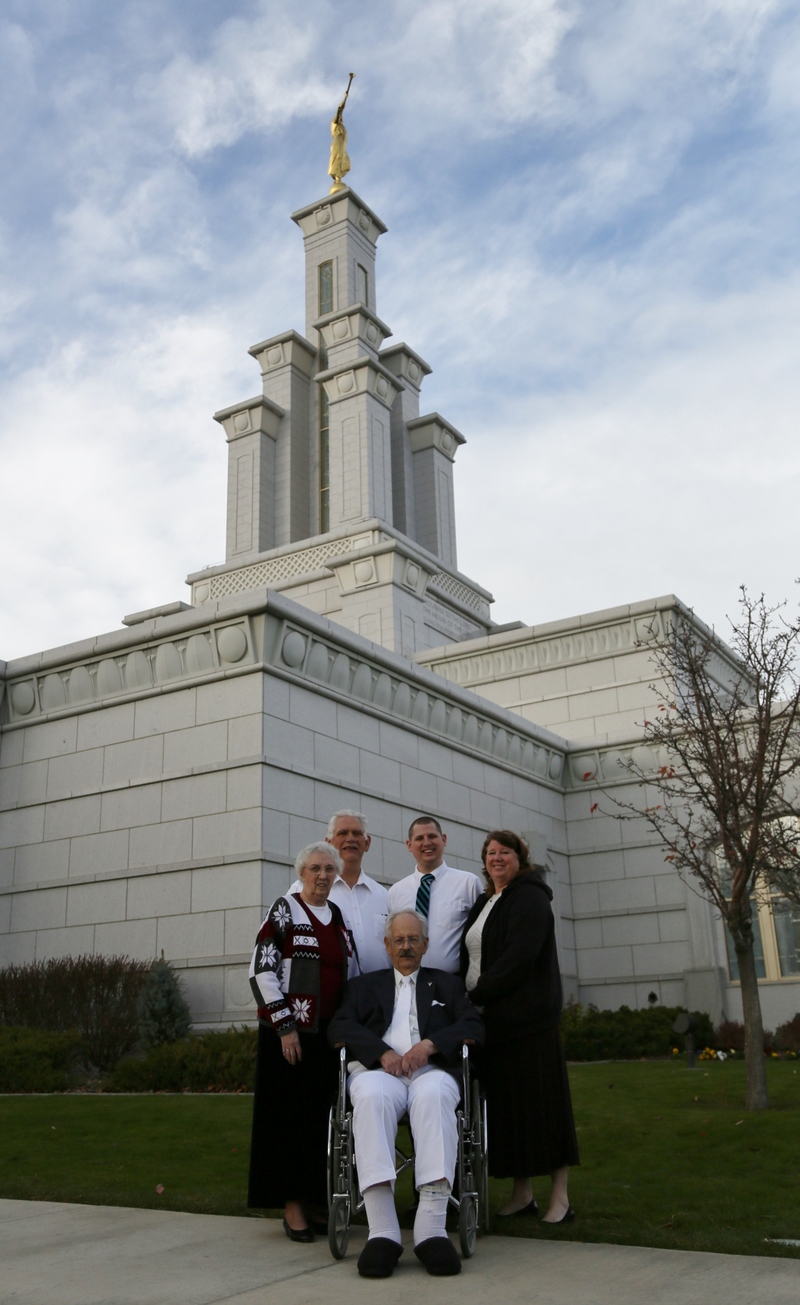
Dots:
{"x": 510, "y": 969}
{"x": 302, "y": 960}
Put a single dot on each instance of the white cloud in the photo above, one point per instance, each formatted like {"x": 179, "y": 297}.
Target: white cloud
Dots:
{"x": 591, "y": 213}
{"x": 257, "y": 75}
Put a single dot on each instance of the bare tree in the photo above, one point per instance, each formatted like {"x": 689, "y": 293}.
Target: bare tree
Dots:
{"x": 724, "y": 795}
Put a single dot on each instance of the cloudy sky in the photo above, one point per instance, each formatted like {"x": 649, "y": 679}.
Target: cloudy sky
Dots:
{"x": 593, "y": 239}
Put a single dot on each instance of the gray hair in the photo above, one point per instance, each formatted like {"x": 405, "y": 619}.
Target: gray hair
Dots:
{"x": 327, "y": 850}
{"x": 351, "y": 815}
{"x": 390, "y": 919}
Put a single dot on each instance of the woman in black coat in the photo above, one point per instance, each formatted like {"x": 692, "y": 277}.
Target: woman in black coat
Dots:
{"x": 510, "y": 967}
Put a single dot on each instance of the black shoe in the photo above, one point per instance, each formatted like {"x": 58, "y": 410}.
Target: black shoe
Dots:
{"x": 379, "y": 1258}
{"x": 566, "y": 1218}
{"x": 298, "y": 1234}
{"x": 531, "y": 1208}
{"x": 439, "y": 1256}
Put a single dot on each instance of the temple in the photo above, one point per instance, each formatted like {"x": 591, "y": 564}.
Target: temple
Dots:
{"x": 157, "y": 781}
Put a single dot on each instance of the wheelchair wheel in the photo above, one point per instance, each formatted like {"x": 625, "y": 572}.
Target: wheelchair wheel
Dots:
{"x": 468, "y": 1225}
{"x": 481, "y": 1159}
{"x": 339, "y": 1226}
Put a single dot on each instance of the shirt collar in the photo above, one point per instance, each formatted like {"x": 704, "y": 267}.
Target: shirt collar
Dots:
{"x": 439, "y": 869}
{"x": 398, "y": 978}
{"x": 363, "y": 881}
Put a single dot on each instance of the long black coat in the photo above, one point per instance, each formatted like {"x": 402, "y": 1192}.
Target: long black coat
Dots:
{"x": 444, "y": 1013}
{"x": 520, "y": 985}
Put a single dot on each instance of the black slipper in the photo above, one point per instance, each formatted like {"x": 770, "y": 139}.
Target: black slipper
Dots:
{"x": 439, "y": 1256}
{"x": 530, "y": 1208}
{"x": 379, "y": 1258}
{"x": 569, "y": 1217}
{"x": 298, "y": 1234}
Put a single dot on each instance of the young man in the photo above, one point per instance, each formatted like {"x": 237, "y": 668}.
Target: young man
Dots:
{"x": 361, "y": 900}
{"x": 405, "y": 1029}
{"x": 439, "y": 892}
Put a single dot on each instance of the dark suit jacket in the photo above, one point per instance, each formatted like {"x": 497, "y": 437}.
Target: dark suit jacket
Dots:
{"x": 445, "y": 1015}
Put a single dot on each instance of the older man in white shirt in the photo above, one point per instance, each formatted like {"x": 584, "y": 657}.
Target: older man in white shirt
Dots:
{"x": 361, "y": 899}
{"x": 405, "y": 1031}
{"x": 439, "y": 892}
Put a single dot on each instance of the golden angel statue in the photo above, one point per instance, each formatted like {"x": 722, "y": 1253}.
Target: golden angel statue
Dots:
{"x": 340, "y": 162}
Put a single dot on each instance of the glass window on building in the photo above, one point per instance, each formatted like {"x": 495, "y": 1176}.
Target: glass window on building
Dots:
{"x": 324, "y": 449}
{"x": 362, "y": 285}
{"x": 786, "y": 916}
{"x": 758, "y": 950}
{"x": 325, "y": 279}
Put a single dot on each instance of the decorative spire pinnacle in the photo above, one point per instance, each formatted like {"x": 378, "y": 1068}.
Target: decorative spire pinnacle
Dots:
{"x": 340, "y": 162}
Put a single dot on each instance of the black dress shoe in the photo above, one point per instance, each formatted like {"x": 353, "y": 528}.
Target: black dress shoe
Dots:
{"x": 298, "y": 1234}
{"x": 566, "y": 1218}
{"x": 439, "y": 1256}
{"x": 379, "y": 1258}
{"x": 531, "y": 1208}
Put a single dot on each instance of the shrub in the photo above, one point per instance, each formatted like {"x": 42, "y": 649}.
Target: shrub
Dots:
{"x": 204, "y": 1062}
{"x": 163, "y": 1013}
{"x": 36, "y": 1060}
{"x": 95, "y": 995}
{"x": 787, "y": 1036}
{"x": 625, "y": 1034}
{"x": 729, "y": 1036}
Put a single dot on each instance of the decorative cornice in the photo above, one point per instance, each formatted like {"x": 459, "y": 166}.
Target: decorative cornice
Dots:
{"x": 356, "y": 324}
{"x": 432, "y": 431}
{"x": 386, "y": 686}
{"x": 285, "y": 350}
{"x": 533, "y": 649}
{"x": 143, "y": 668}
{"x": 361, "y": 376}
{"x": 346, "y": 204}
{"x": 258, "y": 416}
{"x": 297, "y": 645}
{"x": 405, "y": 364}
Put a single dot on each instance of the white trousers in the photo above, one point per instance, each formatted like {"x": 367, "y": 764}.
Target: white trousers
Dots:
{"x": 380, "y": 1100}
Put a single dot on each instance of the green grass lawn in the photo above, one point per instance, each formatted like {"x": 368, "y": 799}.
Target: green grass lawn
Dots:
{"x": 666, "y": 1160}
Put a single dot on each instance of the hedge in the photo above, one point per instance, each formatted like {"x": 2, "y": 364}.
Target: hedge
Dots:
{"x": 625, "y": 1034}
{"x": 36, "y": 1060}
{"x": 96, "y": 996}
{"x": 204, "y": 1062}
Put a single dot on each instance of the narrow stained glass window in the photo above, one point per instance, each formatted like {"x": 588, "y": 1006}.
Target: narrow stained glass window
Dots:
{"x": 362, "y": 285}
{"x": 325, "y": 288}
{"x": 324, "y": 448}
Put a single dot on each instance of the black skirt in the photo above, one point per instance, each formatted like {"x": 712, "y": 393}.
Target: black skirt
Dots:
{"x": 530, "y": 1123}
{"x": 289, "y": 1143}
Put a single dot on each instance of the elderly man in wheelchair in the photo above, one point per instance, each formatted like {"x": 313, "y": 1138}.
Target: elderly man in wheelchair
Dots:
{"x": 406, "y": 1029}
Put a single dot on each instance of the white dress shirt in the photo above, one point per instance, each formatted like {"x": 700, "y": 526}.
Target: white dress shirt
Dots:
{"x": 364, "y": 909}
{"x": 453, "y": 894}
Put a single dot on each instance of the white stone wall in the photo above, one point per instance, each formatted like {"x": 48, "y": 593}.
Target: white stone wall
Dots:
{"x": 168, "y": 816}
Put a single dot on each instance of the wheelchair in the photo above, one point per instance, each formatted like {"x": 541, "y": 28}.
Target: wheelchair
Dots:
{"x": 472, "y": 1174}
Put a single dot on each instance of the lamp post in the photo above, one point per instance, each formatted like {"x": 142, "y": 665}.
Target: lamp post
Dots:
{"x": 686, "y": 1024}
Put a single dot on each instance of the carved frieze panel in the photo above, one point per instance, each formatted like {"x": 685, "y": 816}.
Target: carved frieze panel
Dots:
{"x": 134, "y": 671}
{"x": 547, "y": 653}
{"x": 307, "y": 656}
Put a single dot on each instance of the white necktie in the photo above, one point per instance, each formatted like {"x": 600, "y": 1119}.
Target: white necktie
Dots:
{"x": 398, "y": 1035}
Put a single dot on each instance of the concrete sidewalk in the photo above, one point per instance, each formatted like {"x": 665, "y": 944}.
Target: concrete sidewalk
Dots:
{"x": 54, "y": 1254}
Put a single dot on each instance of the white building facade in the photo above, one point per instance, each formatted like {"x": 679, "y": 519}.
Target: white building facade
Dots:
{"x": 157, "y": 781}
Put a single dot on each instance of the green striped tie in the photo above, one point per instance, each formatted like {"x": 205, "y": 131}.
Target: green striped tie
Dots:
{"x": 424, "y": 895}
